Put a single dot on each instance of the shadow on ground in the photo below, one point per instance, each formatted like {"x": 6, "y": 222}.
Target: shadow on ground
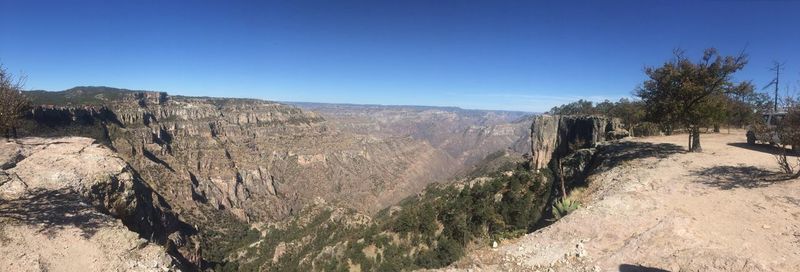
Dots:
{"x": 727, "y": 177}
{"x": 615, "y": 154}
{"x": 769, "y": 149}
{"x": 53, "y": 210}
{"x": 638, "y": 268}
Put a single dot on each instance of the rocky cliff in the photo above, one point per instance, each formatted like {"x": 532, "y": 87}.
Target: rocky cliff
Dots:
{"x": 69, "y": 204}
{"x": 503, "y": 198}
{"x": 556, "y": 136}
{"x": 258, "y": 160}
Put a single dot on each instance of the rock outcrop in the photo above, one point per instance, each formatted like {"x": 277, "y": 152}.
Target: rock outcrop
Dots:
{"x": 555, "y": 136}
{"x": 70, "y": 204}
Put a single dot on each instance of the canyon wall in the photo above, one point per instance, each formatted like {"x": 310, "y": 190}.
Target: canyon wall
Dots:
{"x": 263, "y": 161}
{"x": 556, "y": 136}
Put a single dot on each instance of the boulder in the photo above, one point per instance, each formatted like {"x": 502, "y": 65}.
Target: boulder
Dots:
{"x": 72, "y": 188}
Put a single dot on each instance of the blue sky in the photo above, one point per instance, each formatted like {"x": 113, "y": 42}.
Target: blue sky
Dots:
{"x": 512, "y": 55}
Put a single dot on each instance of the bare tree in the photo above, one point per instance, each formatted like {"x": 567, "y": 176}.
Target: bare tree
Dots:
{"x": 13, "y": 103}
{"x": 789, "y": 134}
{"x": 776, "y": 67}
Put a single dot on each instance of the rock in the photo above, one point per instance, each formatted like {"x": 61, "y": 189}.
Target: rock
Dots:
{"x": 554, "y": 136}
{"x": 580, "y": 250}
{"x": 51, "y": 187}
{"x": 544, "y": 139}
{"x": 11, "y": 186}
{"x": 617, "y": 134}
{"x": 10, "y": 154}
{"x": 258, "y": 160}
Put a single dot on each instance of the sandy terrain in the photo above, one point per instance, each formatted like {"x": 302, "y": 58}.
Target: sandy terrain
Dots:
{"x": 660, "y": 208}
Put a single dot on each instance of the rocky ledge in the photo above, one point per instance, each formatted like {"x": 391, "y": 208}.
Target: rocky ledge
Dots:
{"x": 68, "y": 204}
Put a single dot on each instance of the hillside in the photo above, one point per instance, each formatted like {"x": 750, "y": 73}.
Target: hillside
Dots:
{"x": 653, "y": 207}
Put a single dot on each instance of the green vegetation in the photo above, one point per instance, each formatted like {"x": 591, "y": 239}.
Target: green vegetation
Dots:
{"x": 430, "y": 230}
{"x": 563, "y": 207}
{"x": 79, "y": 96}
{"x": 683, "y": 94}
{"x": 222, "y": 236}
{"x": 630, "y": 112}
{"x": 692, "y": 94}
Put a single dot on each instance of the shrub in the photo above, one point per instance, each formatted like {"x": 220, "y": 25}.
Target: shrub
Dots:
{"x": 564, "y": 206}
{"x": 646, "y": 129}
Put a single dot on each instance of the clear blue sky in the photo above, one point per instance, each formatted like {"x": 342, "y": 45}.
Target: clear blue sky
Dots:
{"x": 521, "y": 55}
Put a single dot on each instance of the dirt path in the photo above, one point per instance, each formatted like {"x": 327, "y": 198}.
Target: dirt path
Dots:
{"x": 671, "y": 210}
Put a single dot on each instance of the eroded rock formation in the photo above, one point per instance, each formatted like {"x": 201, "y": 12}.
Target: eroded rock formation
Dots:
{"x": 73, "y": 193}
{"x": 256, "y": 159}
{"x": 555, "y": 136}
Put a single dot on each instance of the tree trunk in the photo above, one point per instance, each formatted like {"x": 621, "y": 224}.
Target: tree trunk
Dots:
{"x": 561, "y": 178}
{"x": 695, "y": 136}
{"x": 716, "y": 128}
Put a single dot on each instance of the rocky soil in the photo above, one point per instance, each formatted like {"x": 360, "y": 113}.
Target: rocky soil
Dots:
{"x": 651, "y": 206}
{"x": 67, "y": 204}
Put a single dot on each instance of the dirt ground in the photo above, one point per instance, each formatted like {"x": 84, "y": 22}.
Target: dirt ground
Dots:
{"x": 660, "y": 208}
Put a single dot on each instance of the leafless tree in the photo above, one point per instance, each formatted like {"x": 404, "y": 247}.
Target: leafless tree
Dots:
{"x": 789, "y": 134}
{"x": 13, "y": 103}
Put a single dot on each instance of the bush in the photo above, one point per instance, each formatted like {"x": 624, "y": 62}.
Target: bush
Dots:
{"x": 646, "y": 129}
{"x": 12, "y": 103}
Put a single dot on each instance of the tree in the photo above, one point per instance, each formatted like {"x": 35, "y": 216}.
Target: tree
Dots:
{"x": 630, "y": 112}
{"x": 580, "y": 107}
{"x": 691, "y": 94}
{"x": 744, "y": 108}
{"x": 12, "y": 103}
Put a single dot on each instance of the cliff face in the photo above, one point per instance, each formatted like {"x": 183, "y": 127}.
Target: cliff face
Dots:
{"x": 263, "y": 160}
{"x": 555, "y": 136}
{"x": 257, "y": 159}
{"x": 71, "y": 192}
{"x": 500, "y": 202}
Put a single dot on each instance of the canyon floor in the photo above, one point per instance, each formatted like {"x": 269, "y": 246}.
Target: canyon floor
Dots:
{"x": 659, "y": 208}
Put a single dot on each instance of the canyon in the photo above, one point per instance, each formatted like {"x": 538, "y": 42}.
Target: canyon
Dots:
{"x": 145, "y": 181}
{"x": 224, "y": 161}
